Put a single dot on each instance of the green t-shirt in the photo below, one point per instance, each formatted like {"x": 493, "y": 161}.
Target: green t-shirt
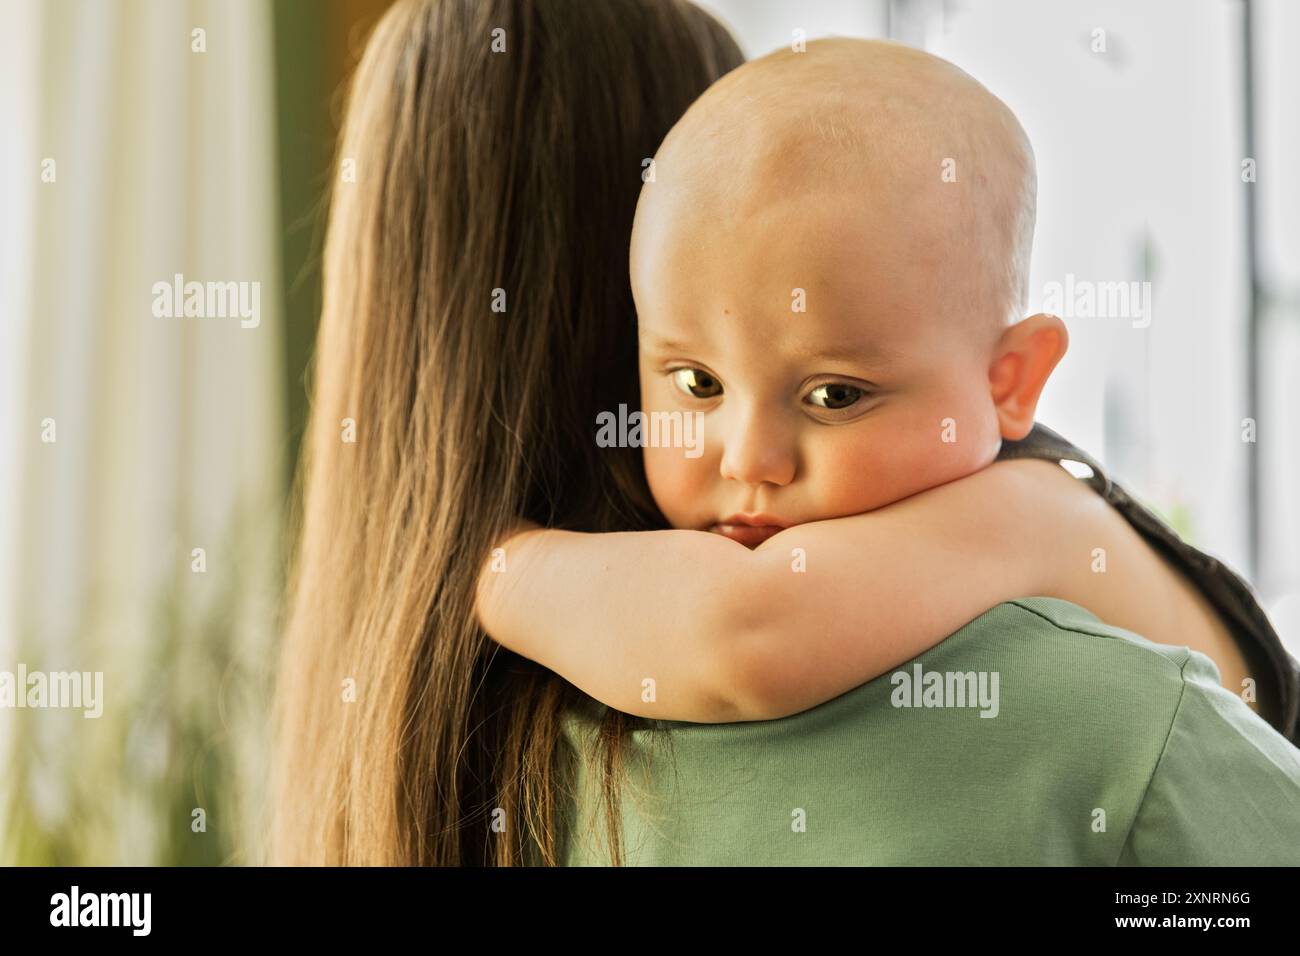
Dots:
{"x": 1044, "y": 737}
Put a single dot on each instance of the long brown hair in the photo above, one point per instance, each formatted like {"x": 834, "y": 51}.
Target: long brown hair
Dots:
{"x": 403, "y": 733}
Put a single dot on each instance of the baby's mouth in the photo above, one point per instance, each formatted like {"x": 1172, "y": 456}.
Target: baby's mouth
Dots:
{"x": 751, "y": 536}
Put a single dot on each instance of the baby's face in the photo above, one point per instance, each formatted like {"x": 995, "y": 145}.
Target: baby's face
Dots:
{"x": 814, "y": 414}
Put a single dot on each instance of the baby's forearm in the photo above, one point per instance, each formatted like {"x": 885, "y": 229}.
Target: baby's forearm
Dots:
{"x": 642, "y": 621}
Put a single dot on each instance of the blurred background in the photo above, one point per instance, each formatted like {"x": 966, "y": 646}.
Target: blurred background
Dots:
{"x": 145, "y": 460}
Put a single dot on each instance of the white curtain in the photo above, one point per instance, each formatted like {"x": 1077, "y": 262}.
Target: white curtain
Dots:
{"x": 761, "y": 26}
{"x": 137, "y": 149}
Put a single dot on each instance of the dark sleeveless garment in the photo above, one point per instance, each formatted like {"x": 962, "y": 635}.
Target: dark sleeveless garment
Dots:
{"x": 1276, "y": 671}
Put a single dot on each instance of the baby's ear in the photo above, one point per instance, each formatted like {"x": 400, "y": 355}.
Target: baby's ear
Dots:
{"x": 1022, "y": 362}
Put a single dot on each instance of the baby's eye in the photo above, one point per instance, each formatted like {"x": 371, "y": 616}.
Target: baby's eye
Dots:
{"x": 835, "y": 395}
{"x": 690, "y": 379}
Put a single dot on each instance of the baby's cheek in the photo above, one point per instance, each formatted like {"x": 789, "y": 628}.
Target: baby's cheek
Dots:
{"x": 859, "y": 477}
{"x": 946, "y": 431}
{"x": 678, "y": 483}
{"x": 864, "y": 475}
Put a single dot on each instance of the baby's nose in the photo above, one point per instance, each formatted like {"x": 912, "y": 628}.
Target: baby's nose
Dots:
{"x": 757, "y": 452}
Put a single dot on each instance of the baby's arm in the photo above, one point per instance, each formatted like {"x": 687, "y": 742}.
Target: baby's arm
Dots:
{"x": 730, "y": 634}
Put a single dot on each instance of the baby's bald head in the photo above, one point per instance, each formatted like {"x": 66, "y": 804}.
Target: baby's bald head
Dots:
{"x": 883, "y": 138}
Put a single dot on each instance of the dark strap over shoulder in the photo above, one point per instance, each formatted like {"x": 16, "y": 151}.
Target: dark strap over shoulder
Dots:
{"x": 1231, "y": 595}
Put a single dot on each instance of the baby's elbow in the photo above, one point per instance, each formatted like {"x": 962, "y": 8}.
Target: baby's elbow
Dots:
{"x": 750, "y": 681}
{"x": 758, "y": 682}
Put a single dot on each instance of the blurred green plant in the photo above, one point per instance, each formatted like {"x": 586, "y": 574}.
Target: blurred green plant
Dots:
{"x": 183, "y": 729}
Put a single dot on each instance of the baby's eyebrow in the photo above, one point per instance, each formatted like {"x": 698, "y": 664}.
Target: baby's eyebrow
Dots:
{"x": 875, "y": 354}
{"x": 871, "y": 353}
{"x": 663, "y": 342}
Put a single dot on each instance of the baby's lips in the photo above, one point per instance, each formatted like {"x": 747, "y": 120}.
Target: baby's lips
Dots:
{"x": 750, "y": 536}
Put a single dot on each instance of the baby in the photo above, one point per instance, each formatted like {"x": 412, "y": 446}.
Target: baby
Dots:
{"x": 830, "y": 265}
{"x": 828, "y": 262}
